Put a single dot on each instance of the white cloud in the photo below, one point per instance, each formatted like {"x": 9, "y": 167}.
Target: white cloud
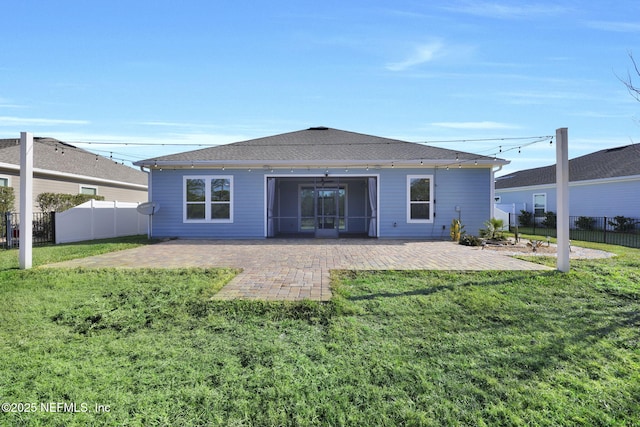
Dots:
{"x": 500, "y": 10}
{"x": 423, "y": 53}
{"x": 23, "y": 121}
{"x": 485, "y": 125}
{"x": 615, "y": 26}
{"x": 176, "y": 124}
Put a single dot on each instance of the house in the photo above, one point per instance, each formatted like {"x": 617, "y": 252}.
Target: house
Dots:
{"x": 319, "y": 182}
{"x": 601, "y": 184}
{"x": 63, "y": 168}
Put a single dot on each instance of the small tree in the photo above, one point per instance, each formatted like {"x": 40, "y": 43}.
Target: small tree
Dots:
{"x": 549, "y": 220}
{"x": 585, "y": 223}
{"x": 525, "y": 218}
{"x": 493, "y": 230}
{"x": 7, "y": 199}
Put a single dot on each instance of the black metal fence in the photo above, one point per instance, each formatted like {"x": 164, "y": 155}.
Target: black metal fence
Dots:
{"x": 44, "y": 229}
{"x": 618, "y": 230}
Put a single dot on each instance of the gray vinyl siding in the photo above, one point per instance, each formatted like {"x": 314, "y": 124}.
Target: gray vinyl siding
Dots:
{"x": 470, "y": 189}
{"x": 612, "y": 198}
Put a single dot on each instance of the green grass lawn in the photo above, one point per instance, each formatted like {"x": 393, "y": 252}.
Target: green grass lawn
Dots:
{"x": 391, "y": 348}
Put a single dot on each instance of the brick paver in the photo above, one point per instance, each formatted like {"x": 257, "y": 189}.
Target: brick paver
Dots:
{"x": 295, "y": 269}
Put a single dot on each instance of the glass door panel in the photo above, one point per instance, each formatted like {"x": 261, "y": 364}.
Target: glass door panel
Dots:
{"x": 327, "y": 209}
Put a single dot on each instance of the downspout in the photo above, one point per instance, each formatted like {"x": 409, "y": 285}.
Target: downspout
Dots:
{"x": 150, "y": 223}
{"x": 493, "y": 190}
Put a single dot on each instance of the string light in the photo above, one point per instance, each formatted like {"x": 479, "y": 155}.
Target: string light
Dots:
{"x": 459, "y": 157}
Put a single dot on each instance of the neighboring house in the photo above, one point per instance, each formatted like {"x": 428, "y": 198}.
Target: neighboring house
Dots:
{"x": 62, "y": 168}
{"x": 319, "y": 182}
{"x": 604, "y": 183}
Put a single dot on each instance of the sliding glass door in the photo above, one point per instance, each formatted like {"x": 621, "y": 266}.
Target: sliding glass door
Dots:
{"x": 322, "y": 210}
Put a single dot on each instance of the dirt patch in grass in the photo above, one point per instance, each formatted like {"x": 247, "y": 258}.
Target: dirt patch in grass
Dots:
{"x": 542, "y": 248}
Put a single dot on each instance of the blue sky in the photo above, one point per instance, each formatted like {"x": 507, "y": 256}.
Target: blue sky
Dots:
{"x": 210, "y": 72}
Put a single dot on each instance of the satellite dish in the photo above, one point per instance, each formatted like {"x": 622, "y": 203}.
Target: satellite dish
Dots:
{"x": 148, "y": 208}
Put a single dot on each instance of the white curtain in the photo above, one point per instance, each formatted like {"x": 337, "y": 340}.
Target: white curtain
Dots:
{"x": 271, "y": 197}
{"x": 373, "y": 202}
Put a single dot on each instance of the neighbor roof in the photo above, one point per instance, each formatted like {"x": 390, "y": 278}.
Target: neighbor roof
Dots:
{"x": 607, "y": 163}
{"x": 48, "y": 157}
{"x": 319, "y": 145}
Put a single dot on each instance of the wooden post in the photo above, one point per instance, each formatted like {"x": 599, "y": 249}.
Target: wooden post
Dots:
{"x": 562, "y": 199}
{"x": 26, "y": 200}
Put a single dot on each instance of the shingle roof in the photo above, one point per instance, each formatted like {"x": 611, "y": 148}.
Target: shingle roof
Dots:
{"x": 48, "y": 155}
{"x": 608, "y": 163}
{"x": 320, "y": 144}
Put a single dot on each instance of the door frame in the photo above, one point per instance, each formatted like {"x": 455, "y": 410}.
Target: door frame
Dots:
{"x": 321, "y": 175}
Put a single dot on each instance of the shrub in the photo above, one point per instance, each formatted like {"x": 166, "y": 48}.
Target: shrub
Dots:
{"x": 59, "y": 202}
{"x": 493, "y": 230}
{"x": 622, "y": 223}
{"x": 456, "y": 230}
{"x": 7, "y": 199}
{"x": 549, "y": 220}
{"x": 469, "y": 240}
{"x": 525, "y": 219}
{"x": 585, "y": 223}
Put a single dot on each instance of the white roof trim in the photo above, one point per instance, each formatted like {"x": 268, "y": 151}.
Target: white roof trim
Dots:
{"x": 318, "y": 163}
{"x": 599, "y": 181}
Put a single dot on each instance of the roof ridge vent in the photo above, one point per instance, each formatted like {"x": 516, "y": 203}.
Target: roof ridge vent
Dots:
{"x": 318, "y": 128}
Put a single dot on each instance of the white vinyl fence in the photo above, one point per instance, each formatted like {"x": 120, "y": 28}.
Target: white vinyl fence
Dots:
{"x": 502, "y": 211}
{"x": 99, "y": 220}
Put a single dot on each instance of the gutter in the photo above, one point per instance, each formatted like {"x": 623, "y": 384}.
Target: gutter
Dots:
{"x": 266, "y": 164}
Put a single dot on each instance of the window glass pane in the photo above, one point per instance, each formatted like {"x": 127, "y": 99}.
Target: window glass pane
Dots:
{"x": 195, "y": 211}
{"x": 195, "y": 190}
{"x": 306, "y": 202}
{"x": 539, "y": 204}
{"x": 420, "y": 210}
{"x": 220, "y": 190}
{"x": 220, "y": 211}
{"x": 88, "y": 190}
{"x": 4, "y": 182}
{"x": 420, "y": 190}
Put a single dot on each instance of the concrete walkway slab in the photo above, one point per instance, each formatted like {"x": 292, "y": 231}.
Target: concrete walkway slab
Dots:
{"x": 296, "y": 269}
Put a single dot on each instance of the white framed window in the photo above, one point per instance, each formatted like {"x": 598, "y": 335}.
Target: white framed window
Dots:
{"x": 420, "y": 198}
{"x": 90, "y": 190}
{"x": 4, "y": 181}
{"x": 208, "y": 199}
{"x": 539, "y": 204}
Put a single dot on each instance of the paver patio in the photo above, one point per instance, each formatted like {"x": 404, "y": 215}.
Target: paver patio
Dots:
{"x": 295, "y": 269}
